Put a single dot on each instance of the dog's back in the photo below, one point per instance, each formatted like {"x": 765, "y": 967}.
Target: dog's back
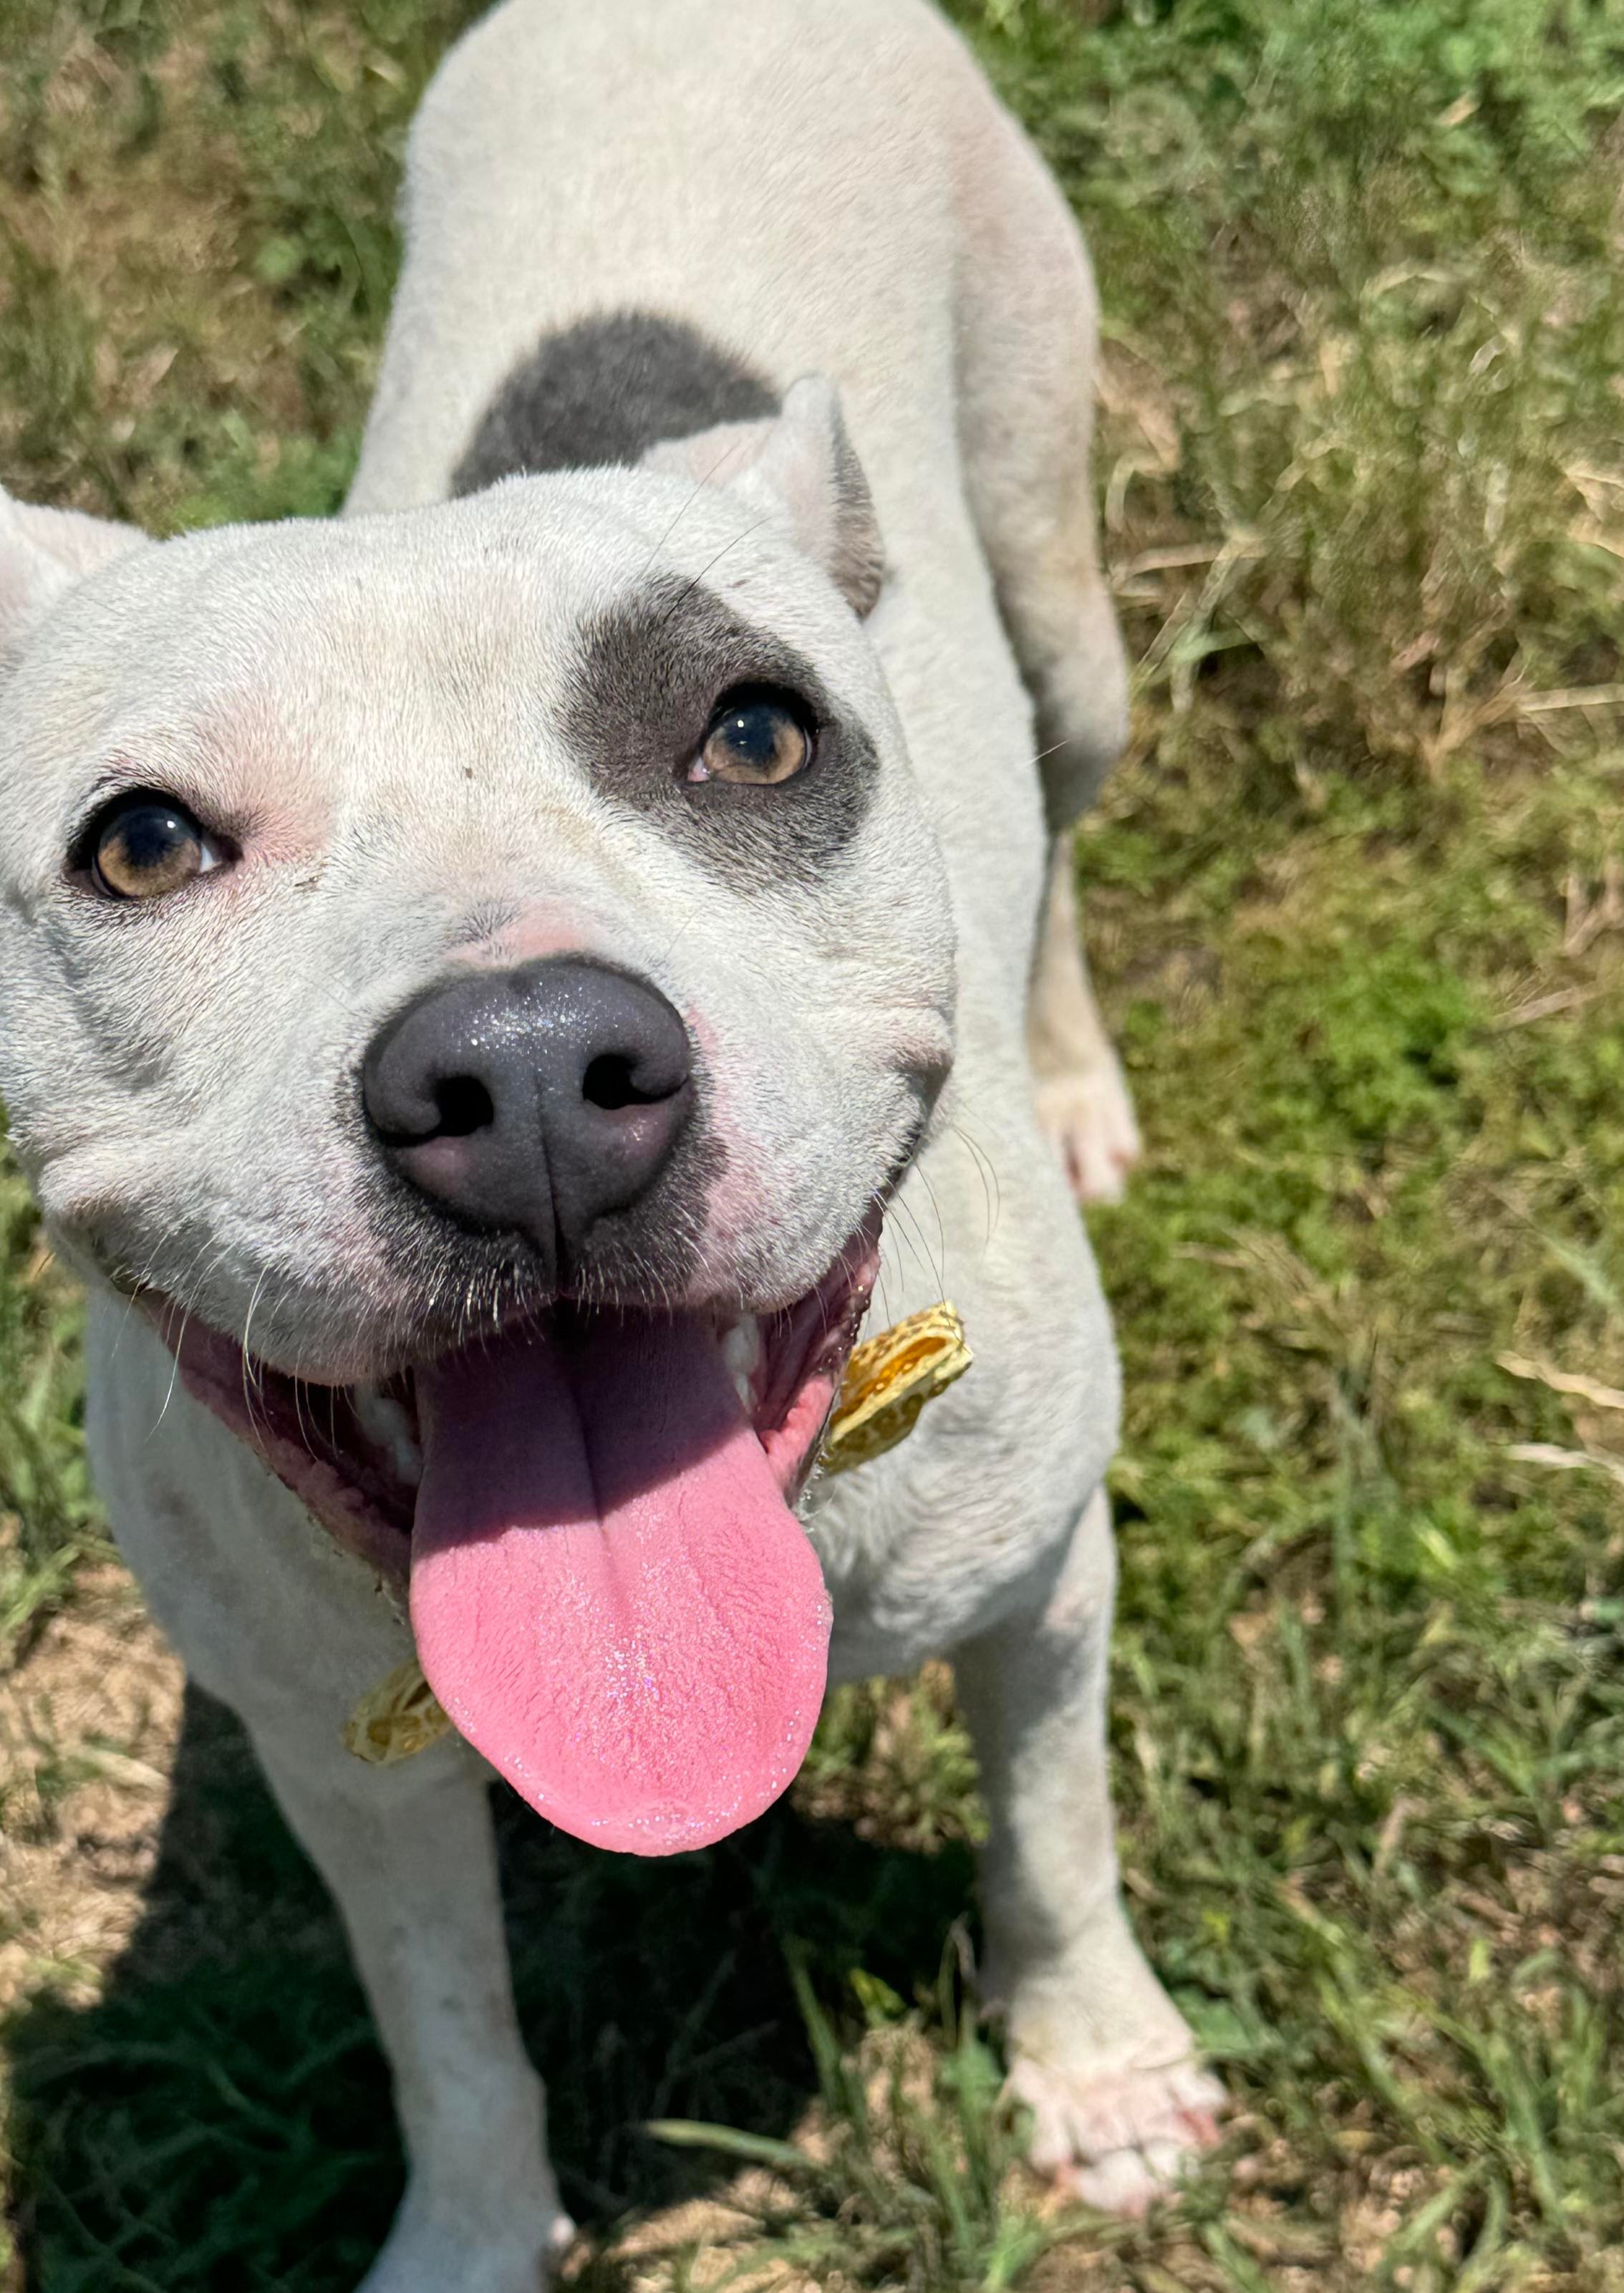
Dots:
{"x": 784, "y": 181}
{"x": 642, "y": 218}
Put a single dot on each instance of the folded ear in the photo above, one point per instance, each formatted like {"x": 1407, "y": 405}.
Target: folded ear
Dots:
{"x": 44, "y": 552}
{"x": 799, "y": 466}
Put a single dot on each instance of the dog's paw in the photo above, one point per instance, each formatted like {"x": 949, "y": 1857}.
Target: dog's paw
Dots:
{"x": 425, "y": 2257}
{"x": 1120, "y": 2140}
{"x": 1089, "y": 1114}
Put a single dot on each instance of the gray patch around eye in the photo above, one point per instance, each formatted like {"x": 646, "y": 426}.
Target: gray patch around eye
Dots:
{"x": 647, "y": 678}
{"x": 599, "y": 393}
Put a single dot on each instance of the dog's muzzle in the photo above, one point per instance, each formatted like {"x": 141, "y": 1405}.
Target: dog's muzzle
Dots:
{"x": 534, "y": 1101}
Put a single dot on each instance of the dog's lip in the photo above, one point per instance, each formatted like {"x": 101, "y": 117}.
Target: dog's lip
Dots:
{"x": 349, "y": 1451}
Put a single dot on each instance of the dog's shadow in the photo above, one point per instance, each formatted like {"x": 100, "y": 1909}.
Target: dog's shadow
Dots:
{"x": 219, "y": 2118}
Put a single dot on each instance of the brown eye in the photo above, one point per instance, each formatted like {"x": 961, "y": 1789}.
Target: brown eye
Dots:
{"x": 145, "y": 845}
{"x": 756, "y": 738}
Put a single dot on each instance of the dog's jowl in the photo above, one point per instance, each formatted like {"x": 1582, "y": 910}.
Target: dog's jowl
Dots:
{"x": 501, "y": 988}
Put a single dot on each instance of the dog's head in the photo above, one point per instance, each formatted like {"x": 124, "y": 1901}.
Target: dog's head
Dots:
{"x": 474, "y": 975}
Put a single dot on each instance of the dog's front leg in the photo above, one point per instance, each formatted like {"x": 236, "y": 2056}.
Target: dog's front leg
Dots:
{"x": 410, "y": 1856}
{"x": 1084, "y": 1102}
{"x": 1098, "y": 2053}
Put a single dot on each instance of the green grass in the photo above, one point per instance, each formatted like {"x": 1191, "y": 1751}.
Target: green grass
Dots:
{"x": 1362, "y": 470}
{"x": 48, "y": 1522}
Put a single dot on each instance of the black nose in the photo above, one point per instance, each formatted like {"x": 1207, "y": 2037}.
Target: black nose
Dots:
{"x": 536, "y": 1100}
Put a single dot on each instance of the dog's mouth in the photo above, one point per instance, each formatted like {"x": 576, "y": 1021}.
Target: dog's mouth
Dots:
{"x": 611, "y": 1596}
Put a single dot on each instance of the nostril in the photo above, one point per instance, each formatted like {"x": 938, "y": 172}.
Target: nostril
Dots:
{"x": 539, "y": 1101}
{"x": 610, "y": 1083}
{"x": 463, "y": 1106}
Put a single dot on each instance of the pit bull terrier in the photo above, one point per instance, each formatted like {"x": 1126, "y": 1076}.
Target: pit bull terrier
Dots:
{"x": 498, "y": 986}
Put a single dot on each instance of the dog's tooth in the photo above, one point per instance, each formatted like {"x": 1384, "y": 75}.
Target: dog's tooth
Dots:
{"x": 741, "y": 1350}
{"x": 742, "y": 1344}
{"x": 384, "y": 1421}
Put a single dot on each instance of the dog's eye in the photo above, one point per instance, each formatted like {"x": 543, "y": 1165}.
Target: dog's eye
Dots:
{"x": 755, "y": 737}
{"x": 145, "y": 845}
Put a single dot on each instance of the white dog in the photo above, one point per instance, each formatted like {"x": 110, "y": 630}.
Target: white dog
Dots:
{"x": 478, "y": 974}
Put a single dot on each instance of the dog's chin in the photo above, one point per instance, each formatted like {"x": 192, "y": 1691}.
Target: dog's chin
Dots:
{"x": 352, "y": 1453}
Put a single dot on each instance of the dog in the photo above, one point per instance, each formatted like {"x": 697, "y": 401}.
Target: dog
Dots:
{"x": 499, "y": 985}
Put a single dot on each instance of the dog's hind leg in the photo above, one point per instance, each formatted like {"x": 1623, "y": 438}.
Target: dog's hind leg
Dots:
{"x": 1098, "y": 2052}
{"x": 409, "y": 1854}
{"x": 1026, "y": 346}
{"x": 1026, "y": 338}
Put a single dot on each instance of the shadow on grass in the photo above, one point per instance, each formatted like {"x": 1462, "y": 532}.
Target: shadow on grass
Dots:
{"x": 220, "y": 2120}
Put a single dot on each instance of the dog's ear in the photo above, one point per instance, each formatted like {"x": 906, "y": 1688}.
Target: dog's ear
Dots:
{"x": 798, "y": 465}
{"x": 43, "y": 553}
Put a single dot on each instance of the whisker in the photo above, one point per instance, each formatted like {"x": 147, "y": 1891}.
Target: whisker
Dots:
{"x": 174, "y": 1372}
{"x": 992, "y": 1192}
{"x": 701, "y": 484}
{"x": 252, "y": 1389}
{"x": 883, "y": 1205}
{"x": 688, "y": 588}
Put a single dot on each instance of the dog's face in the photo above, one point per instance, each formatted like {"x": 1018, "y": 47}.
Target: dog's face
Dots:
{"x": 495, "y": 949}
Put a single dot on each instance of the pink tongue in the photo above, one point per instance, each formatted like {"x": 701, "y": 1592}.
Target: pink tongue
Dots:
{"x": 611, "y": 1598}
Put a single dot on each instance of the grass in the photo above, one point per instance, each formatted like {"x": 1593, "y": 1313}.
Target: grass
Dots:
{"x": 1354, "y": 901}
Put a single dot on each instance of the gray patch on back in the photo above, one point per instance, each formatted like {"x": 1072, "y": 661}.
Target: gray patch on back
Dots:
{"x": 600, "y": 393}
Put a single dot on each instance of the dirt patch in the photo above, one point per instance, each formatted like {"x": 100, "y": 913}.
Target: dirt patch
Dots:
{"x": 88, "y": 1725}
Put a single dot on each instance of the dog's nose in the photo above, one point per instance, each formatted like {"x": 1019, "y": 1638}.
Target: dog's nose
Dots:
{"x": 538, "y": 1099}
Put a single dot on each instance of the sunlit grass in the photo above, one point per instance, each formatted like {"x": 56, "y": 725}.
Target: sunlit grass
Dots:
{"x": 1354, "y": 902}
